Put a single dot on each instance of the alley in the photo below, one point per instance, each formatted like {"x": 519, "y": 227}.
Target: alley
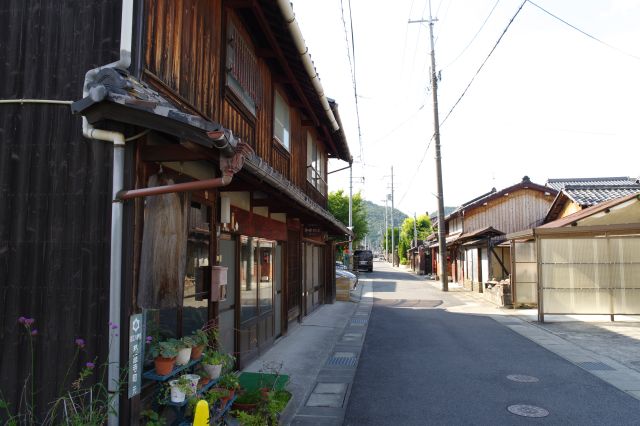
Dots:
{"x": 426, "y": 361}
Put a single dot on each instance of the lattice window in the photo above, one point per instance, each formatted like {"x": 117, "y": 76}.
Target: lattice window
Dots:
{"x": 243, "y": 77}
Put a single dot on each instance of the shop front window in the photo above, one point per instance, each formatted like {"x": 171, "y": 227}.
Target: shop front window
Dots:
{"x": 266, "y": 276}
{"x": 256, "y": 277}
{"x": 248, "y": 280}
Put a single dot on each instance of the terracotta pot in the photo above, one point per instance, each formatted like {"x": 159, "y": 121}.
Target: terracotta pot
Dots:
{"x": 196, "y": 352}
{"x": 264, "y": 392}
{"x": 249, "y": 408}
{"x": 164, "y": 366}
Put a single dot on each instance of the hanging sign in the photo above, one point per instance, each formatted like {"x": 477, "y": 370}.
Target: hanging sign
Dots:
{"x": 136, "y": 353}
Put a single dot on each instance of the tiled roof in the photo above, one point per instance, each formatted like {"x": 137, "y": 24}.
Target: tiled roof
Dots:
{"x": 596, "y": 194}
{"x": 590, "y": 191}
{"x": 559, "y": 184}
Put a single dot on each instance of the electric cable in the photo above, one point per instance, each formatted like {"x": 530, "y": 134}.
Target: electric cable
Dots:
{"x": 474, "y": 37}
{"x": 583, "y": 32}
{"x": 352, "y": 67}
{"x": 464, "y": 92}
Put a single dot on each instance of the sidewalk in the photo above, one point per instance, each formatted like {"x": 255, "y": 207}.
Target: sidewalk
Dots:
{"x": 320, "y": 355}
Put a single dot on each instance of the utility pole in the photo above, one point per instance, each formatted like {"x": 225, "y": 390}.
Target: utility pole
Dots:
{"x": 415, "y": 230}
{"x": 393, "y": 237}
{"x": 350, "y": 212}
{"x": 386, "y": 229}
{"x": 442, "y": 252}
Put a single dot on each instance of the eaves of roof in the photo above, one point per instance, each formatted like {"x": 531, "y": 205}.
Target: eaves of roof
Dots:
{"x": 493, "y": 194}
{"x": 285, "y": 40}
{"x": 259, "y": 168}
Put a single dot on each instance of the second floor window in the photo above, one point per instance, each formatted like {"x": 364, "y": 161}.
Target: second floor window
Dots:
{"x": 281, "y": 122}
{"x": 316, "y": 171}
{"x": 243, "y": 77}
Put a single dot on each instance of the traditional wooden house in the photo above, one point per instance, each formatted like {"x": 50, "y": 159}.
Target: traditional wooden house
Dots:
{"x": 205, "y": 152}
{"x": 477, "y": 252}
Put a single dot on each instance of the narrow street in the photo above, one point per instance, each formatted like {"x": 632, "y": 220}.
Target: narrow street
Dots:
{"x": 428, "y": 360}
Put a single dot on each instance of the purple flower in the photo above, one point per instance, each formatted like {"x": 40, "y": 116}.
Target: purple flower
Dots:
{"x": 80, "y": 342}
{"x": 34, "y": 332}
{"x": 113, "y": 325}
{"x": 22, "y": 320}
{"x": 149, "y": 339}
{"x": 29, "y": 321}
{"x": 90, "y": 365}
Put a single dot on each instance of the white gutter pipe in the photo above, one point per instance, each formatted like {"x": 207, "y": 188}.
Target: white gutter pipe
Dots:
{"x": 294, "y": 28}
{"x": 115, "y": 270}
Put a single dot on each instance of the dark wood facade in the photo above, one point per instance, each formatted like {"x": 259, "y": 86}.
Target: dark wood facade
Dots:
{"x": 219, "y": 60}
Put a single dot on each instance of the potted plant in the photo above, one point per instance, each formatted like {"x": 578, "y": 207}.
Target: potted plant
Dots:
{"x": 180, "y": 388}
{"x": 212, "y": 362}
{"x": 184, "y": 346}
{"x": 248, "y": 400}
{"x": 229, "y": 381}
{"x": 204, "y": 376}
{"x": 200, "y": 340}
{"x": 193, "y": 379}
{"x": 220, "y": 396}
{"x": 164, "y": 356}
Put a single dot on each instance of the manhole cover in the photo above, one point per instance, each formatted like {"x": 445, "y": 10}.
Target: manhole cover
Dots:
{"x": 527, "y": 410}
{"x": 522, "y": 378}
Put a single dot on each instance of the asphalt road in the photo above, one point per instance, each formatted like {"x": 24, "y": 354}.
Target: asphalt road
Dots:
{"x": 422, "y": 365}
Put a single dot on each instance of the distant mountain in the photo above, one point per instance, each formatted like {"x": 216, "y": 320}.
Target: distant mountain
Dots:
{"x": 375, "y": 219}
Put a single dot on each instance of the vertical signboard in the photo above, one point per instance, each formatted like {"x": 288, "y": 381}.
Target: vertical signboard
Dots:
{"x": 136, "y": 353}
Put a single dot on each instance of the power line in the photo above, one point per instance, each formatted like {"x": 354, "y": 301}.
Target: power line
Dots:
{"x": 474, "y": 37}
{"x": 583, "y": 32}
{"x": 352, "y": 66}
{"x": 464, "y": 92}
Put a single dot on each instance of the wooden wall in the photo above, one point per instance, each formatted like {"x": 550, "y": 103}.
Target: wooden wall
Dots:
{"x": 185, "y": 56}
{"x": 518, "y": 211}
{"x": 183, "y": 49}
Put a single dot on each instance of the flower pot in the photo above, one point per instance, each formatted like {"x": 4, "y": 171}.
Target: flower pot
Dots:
{"x": 213, "y": 370}
{"x": 164, "y": 366}
{"x": 183, "y": 357}
{"x": 249, "y": 408}
{"x": 193, "y": 378}
{"x": 196, "y": 352}
{"x": 176, "y": 394}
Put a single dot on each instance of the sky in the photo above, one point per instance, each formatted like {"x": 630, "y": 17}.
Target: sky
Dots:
{"x": 550, "y": 101}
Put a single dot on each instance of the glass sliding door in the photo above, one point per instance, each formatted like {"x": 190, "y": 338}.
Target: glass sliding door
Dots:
{"x": 257, "y": 258}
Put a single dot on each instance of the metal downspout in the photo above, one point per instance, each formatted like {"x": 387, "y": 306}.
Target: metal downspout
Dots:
{"x": 115, "y": 269}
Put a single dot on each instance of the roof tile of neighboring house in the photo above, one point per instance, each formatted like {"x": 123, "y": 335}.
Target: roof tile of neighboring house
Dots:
{"x": 559, "y": 184}
{"x": 588, "y": 192}
{"x": 595, "y": 194}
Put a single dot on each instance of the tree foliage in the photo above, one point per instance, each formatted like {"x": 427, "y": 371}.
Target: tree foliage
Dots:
{"x": 423, "y": 228}
{"x": 338, "y": 203}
